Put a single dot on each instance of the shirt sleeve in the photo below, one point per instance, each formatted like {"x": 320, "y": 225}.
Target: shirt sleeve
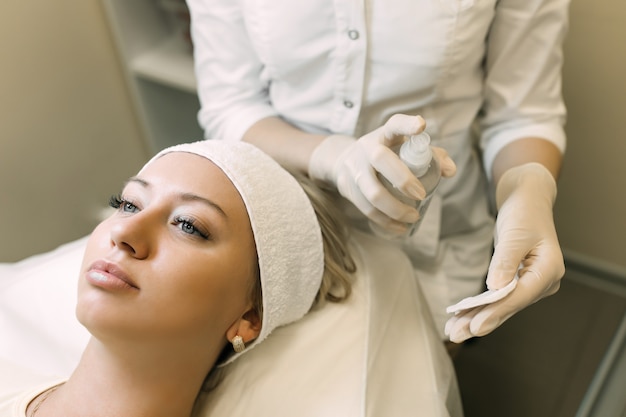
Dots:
{"x": 523, "y": 75}
{"x": 232, "y": 93}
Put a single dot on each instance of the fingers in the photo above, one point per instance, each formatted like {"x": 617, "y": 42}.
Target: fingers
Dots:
{"x": 372, "y": 199}
{"x": 401, "y": 125}
{"x": 446, "y": 164}
{"x": 371, "y": 196}
{"x": 387, "y": 162}
{"x": 537, "y": 252}
{"x": 372, "y": 213}
{"x": 479, "y": 321}
{"x": 389, "y": 165}
{"x": 385, "y": 202}
{"x": 390, "y": 225}
{"x": 505, "y": 262}
{"x": 483, "y": 320}
{"x": 458, "y": 327}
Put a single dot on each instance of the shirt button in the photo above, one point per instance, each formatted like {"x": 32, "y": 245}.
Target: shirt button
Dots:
{"x": 353, "y": 34}
{"x": 348, "y": 104}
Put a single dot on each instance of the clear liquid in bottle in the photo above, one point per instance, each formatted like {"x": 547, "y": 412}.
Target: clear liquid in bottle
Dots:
{"x": 418, "y": 157}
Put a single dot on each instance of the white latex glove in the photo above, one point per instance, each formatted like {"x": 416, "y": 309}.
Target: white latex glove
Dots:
{"x": 525, "y": 238}
{"x": 350, "y": 165}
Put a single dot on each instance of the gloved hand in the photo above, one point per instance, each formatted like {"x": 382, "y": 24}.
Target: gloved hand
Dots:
{"x": 525, "y": 238}
{"x": 350, "y": 165}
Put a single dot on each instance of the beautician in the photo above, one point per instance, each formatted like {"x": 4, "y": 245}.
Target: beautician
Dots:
{"x": 326, "y": 87}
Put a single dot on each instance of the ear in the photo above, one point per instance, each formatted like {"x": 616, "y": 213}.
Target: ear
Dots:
{"x": 248, "y": 326}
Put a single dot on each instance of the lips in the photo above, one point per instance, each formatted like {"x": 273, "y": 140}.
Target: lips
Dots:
{"x": 109, "y": 276}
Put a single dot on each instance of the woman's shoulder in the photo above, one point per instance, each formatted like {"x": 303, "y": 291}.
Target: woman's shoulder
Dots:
{"x": 19, "y": 386}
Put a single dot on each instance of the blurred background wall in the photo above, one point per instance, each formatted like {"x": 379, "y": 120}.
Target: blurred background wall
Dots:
{"x": 69, "y": 134}
{"x": 591, "y": 206}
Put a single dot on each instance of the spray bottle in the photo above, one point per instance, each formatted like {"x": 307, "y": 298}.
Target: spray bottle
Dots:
{"x": 418, "y": 156}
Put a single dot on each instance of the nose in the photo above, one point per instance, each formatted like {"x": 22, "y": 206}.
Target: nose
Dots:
{"x": 134, "y": 234}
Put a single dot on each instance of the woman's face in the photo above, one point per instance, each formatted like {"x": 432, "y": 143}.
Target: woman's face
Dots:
{"x": 176, "y": 261}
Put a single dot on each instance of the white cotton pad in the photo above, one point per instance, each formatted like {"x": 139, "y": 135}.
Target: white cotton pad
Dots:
{"x": 488, "y": 297}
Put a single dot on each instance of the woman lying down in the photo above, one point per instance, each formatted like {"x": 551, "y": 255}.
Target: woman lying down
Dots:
{"x": 212, "y": 247}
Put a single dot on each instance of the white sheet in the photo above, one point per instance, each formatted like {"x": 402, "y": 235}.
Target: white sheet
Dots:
{"x": 376, "y": 355}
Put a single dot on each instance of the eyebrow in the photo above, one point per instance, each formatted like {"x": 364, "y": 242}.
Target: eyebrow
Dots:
{"x": 184, "y": 196}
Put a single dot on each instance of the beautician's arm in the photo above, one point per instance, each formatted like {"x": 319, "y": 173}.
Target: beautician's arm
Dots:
{"x": 288, "y": 145}
{"x": 527, "y": 150}
{"x": 525, "y": 235}
{"x": 351, "y": 165}
{"x": 522, "y": 104}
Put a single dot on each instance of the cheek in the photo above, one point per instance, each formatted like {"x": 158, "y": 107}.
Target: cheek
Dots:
{"x": 99, "y": 240}
{"x": 218, "y": 292}
{"x": 216, "y": 286}
{"x": 88, "y": 300}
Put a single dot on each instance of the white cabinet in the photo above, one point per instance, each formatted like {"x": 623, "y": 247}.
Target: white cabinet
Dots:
{"x": 159, "y": 67}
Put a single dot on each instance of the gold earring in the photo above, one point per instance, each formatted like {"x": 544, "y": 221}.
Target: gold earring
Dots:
{"x": 238, "y": 344}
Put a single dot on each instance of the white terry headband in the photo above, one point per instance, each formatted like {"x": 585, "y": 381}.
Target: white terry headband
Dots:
{"x": 286, "y": 230}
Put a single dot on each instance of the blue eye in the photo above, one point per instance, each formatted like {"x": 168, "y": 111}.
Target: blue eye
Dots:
{"x": 118, "y": 202}
{"x": 129, "y": 207}
{"x": 187, "y": 226}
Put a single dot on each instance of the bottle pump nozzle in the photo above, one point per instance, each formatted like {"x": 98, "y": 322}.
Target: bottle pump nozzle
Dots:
{"x": 416, "y": 153}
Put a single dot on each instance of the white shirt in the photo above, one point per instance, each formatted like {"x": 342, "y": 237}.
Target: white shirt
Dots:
{"x": 346, "y": 66}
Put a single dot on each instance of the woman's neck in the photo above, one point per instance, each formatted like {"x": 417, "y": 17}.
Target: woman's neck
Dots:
{"x": 133, "y": 382}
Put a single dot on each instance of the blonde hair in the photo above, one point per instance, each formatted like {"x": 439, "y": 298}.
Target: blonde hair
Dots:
{"x": 339, "y": 265}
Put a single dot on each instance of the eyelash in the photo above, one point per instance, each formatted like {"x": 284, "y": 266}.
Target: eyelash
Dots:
{"x": 182, "y": 222}
{"x": 119, "y": 203}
